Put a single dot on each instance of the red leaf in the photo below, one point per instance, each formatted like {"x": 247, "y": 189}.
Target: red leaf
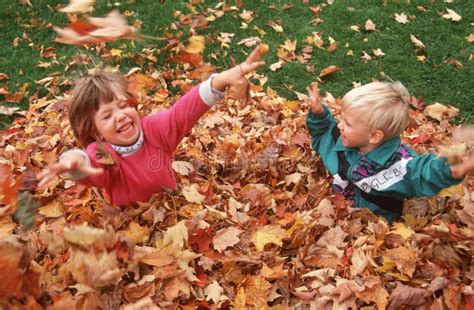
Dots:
{"x": 82, "y": 27}
{"x": 201, "y": 240}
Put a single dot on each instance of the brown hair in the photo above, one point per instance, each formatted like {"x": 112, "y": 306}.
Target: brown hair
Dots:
{"x": 88, "y": 94}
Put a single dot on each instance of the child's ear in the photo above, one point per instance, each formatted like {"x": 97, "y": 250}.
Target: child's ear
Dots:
{"x": 377, "y": 136}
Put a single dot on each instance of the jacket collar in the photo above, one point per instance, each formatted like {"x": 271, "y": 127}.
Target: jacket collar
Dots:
{"x": 380, "y": 155}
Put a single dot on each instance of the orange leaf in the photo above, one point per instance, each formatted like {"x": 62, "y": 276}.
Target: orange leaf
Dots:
{"x": 329, "y": 71}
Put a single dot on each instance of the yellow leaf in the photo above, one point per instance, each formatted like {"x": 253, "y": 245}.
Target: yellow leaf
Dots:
{"x": 116, "y": 52}
{"x": 137, "y": 233}
{"x": 268, "y": 234}
{"x": 52, "y": 209}
{"x": 263, "y": 49}
{"x": 195, "y": 45}
{"x": 402, "y": 230}
{"x": 387, "y": 265}
{"x": 257, "y": 290}
{"x": 176, "y": 235}
{"x": 405, "y": 258}
{"x": 240, "y": 300}
{"x": 456, "y": 190}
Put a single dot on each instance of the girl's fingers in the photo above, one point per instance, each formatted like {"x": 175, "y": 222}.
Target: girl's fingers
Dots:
{"x": 92, "y": 171}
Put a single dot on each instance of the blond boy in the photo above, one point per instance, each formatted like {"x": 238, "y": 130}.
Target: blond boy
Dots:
{"x": 365, "y": 156}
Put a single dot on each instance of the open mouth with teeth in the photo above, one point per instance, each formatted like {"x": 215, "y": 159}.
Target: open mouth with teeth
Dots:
{"x": 125, "y": 128}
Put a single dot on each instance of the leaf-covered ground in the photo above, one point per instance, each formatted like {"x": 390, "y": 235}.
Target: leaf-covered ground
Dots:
{"x": 253, "y": 223}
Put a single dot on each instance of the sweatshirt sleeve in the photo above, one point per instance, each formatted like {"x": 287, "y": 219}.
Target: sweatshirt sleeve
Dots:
{"x": 168, "y": 127}
{"x": 428, "y": 174}
{"x": 95, "y": 158}
{"x": 319, "y": 125}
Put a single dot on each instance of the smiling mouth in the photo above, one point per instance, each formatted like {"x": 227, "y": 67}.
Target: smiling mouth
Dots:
{"x": 125, "y": 127}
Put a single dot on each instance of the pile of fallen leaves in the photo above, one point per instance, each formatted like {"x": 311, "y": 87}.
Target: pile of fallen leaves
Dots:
{"x": 253, "y": 223}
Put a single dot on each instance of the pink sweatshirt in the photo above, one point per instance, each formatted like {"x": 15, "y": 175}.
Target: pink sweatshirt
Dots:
{"x": 139, "y": 175}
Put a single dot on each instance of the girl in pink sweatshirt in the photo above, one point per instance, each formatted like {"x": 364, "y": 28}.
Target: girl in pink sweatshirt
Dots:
{"x": 141, "y": 150}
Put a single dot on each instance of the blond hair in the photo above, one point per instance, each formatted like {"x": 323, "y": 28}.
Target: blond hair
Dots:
{"x": 384, "y": 103}
{"x": 88, "y": 94}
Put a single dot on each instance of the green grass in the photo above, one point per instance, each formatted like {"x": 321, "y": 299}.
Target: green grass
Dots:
{"x": 435, "y": 80}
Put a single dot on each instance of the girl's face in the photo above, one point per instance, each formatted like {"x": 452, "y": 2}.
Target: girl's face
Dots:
{"x": 117, "y": 122}
{"x": 354, "y": 130}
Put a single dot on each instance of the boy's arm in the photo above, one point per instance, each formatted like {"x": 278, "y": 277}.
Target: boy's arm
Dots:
{"x": 464, "y": 168}
{"x": 428, "y": 174}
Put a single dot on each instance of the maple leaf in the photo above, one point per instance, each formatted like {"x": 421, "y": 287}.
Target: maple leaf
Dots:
{"x": 256, "y": 291}
{"x": 405, "y": 258}
{"x": 176, "y": 235}
{"x": 214, "y": 292}
{"x": 402, "y": 230}
{"x": 268, "y": 234}
{"x": 359, "y": 261}
{"x": 401, "y": 18}
{"x": 78, "y": 6}
{"x": 137, "y": 233}
{"x": 191, "y": 193}
{"x": 455, "y": 17}
{"x": 226, "y": 237}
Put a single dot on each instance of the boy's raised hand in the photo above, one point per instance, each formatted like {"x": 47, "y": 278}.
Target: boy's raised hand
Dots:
{"x": 72, "y": 163}
{"x": 314, "y": 99}
{"x": 464, "y": 168}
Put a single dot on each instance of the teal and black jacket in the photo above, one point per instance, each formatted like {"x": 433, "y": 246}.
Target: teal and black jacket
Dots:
{"x": 382, "y": 178}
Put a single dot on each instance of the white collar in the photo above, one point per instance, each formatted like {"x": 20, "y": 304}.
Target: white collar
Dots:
{"x": 130, "y": 149}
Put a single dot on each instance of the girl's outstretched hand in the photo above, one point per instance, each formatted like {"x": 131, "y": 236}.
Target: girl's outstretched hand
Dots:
{"x": 236, "y": 75}
{"x": 72, "y": 163}
{"x": 252, "y": 62}
{"x": 314, "y": 99}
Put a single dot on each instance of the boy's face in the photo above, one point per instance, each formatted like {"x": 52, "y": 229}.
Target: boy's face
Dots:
{"x": 117, "y": 122}
{"x": 355, "y": 131}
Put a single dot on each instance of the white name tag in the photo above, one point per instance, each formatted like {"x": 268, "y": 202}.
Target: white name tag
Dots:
{"x": 385, "y": 178}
